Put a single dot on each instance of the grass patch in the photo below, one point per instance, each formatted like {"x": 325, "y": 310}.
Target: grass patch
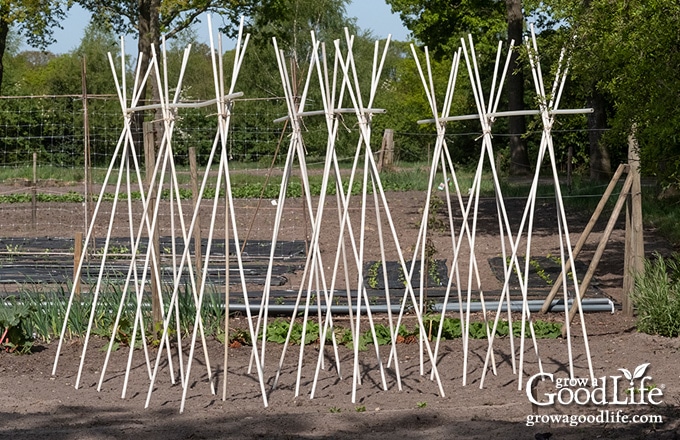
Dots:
{"x": 657, "y": 297}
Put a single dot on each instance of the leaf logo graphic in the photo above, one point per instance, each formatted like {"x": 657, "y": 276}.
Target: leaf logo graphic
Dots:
{"x": 627, "y": 374}
{"x": 637, "y": 374}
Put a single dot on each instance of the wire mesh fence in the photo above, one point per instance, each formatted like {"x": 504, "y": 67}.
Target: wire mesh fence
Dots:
{"x": 49, "y": 145}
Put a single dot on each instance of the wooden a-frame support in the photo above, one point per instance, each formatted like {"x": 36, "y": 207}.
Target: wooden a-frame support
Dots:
{"x": 634, "y": 239}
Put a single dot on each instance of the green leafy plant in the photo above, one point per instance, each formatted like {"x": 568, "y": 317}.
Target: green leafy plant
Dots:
{"x": 373, "y": 271}
{"x": 14, "y": 337}
{"x": 277, "y": 331}
{"x": 435, "y": 222}
{"x": 123, "y": 335}
{"x": 362, "y": 341}
{"x": 421, "y": 404}
{"x": 540, "y": 271}
{"x": 542, "y": 329}
{"x": 645, "y": 390}
{"x": 401, "y": 277}
{"x": 382, "y": 333}
{"x": 452, "y": 328}
{"x": 430, "y": 263}
{"x": 361, "y": 408}
{"x": 657, "y": 296}
{"x": 239, "y": 337}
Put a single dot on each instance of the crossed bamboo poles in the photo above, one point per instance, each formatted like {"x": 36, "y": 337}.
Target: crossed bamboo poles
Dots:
{"x": 345, "y": 83}
{"x": 487, "y": 114}
{"x": 548, "y": 109}
{"x": 338, "y": 85}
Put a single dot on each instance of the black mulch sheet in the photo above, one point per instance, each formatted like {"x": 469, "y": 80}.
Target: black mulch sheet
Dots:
{"x": 254, "y": 249}
{"x": 50, "y": 260}
{"x": 543, "y": 272}
{"x": 374, "y": 279}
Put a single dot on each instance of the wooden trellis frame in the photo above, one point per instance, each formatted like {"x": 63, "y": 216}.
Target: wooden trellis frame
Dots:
{"x": 633, "y": 264}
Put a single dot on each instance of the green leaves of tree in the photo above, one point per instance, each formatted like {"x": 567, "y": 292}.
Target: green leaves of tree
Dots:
{"x": 628, "y": 50}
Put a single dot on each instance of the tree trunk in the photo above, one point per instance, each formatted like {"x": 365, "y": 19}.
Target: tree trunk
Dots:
{"x": 149, "y": 35}
{"x": 600, "y": 162}
{"x": 519, "y": 159}
{"x": 4, "y": 32}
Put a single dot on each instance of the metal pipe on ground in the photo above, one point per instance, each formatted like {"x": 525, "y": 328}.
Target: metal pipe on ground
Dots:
{"x": 590, "y": 305}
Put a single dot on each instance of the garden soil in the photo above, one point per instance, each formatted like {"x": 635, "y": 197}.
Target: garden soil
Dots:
{"x": 34, "y": 404}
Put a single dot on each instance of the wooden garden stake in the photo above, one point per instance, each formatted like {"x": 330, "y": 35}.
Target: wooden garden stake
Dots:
{"x": 77, "y": 256}
{"x": 603, "y": 243}
{"x": 585, "y": 234}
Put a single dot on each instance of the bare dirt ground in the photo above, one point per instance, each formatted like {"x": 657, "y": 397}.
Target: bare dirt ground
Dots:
{"x": 35, "y": 404}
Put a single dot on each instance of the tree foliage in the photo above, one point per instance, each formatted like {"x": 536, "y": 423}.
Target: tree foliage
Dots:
{"x": 624, "y": 53}
{"x": 173, "y": 16}
{"x": 51, "y": 126}
{"x": 33, "y": 20}
{"x": 629, "y": 52}
{"x": 440, "y": 25}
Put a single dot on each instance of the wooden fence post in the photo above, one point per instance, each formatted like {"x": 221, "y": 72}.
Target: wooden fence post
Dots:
{"x": 634, "y": 259}
{"x": 193, "y": 169}
{"x": 386, "y": 157}
{"x": 77, "y": 257}
{"x": 154, "y": 246}
{"x": 87, "y": 166}
{"x": 34, "y": 191}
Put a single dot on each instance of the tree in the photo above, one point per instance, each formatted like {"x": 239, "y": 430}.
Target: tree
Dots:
{"x": 53, "y": 125}
{"x": 151, "y": 18}
{"x": 627, "y": 54}
{"x": 34, "y": 19}
{"x": 519, "y": 159}
{"x": 291, "y": 23}
{"x": 440, "y": 24}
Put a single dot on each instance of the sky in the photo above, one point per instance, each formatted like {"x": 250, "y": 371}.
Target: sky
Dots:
{"x": 371, "y": 14}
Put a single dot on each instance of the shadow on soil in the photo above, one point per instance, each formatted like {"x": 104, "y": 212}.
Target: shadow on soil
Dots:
{"x": 80, "y": 422}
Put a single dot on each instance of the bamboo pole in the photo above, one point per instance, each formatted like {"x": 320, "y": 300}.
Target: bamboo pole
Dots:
{"x": 149, "y": 161}
{"x": 226, "y": 296}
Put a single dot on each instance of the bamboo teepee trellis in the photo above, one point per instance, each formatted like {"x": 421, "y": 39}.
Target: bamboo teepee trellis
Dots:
{"x": 343, "y": 95}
